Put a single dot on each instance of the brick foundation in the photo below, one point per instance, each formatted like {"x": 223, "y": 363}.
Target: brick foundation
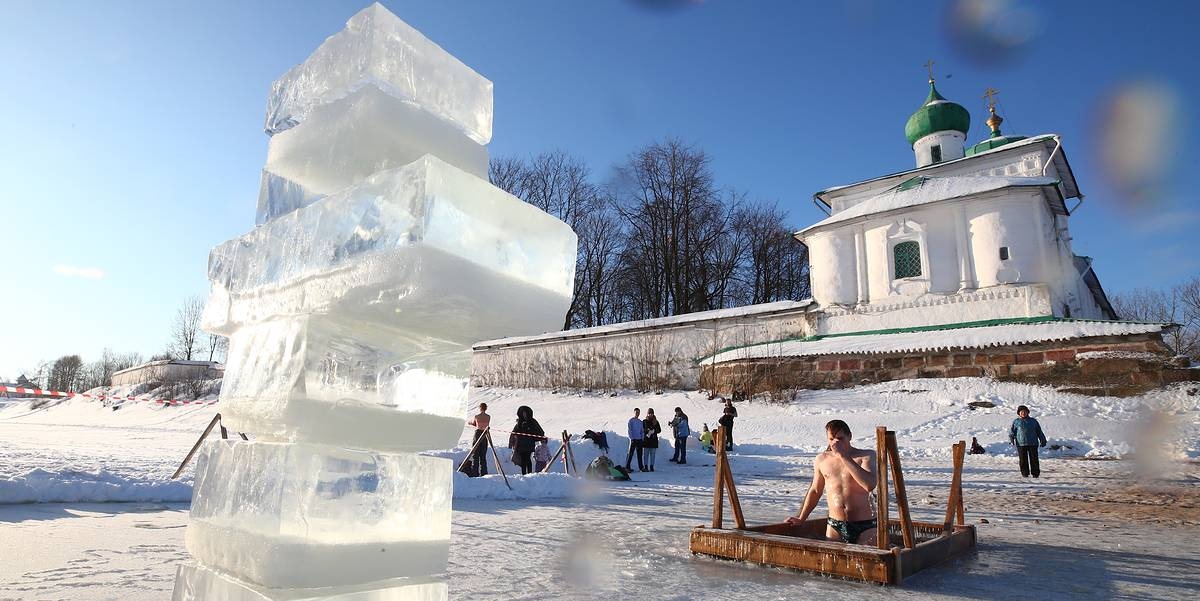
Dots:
{"x": 1051, "y": 363}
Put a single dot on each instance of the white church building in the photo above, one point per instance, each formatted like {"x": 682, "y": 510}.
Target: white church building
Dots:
{"x": 972, "y": 234}
{"x": 962, "y": 266}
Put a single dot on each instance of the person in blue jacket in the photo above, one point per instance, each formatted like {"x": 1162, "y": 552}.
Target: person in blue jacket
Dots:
{"x": 1026, "y": 434}
{"x": 679, "y": 426}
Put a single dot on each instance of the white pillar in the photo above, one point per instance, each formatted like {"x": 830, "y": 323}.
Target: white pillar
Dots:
{"x": 966, "y": 263}
{"x": 860, "y": 263}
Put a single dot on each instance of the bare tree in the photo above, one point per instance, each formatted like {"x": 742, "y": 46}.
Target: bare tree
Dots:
{"x": 66, "y": 373}
{"x": 217, "y": 346}
{"x": 186, "y": 336}
{"x": 1178, "y": 305}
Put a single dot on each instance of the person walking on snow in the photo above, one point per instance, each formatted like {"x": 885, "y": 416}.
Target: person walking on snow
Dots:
{"x": 651, "y": 429}
{"x": 636, "y": 431}
{"x": 481, "y": 421}
{"x": 1025, "y": 434}
{"x": 679, "y": 428}
{"x": 525, "y": 434}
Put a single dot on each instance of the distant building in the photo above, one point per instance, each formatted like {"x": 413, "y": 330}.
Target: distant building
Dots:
{"x": 167, "y": 370}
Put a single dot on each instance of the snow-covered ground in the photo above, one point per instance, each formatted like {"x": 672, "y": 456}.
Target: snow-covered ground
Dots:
{"x": 1086, "y": 530}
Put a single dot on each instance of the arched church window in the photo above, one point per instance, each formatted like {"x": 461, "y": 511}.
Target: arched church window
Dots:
{"x": 935, "y": 153}
{"x": 907, "y": 256}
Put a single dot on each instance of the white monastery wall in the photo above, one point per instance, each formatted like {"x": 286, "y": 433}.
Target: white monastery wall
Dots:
{"x": 629, "y": 355}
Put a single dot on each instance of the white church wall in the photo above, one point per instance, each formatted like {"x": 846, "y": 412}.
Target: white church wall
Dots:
{"x": 833, "y": 267}
{"x": 998, "y": 302}
{"x": 1009, "y": 223}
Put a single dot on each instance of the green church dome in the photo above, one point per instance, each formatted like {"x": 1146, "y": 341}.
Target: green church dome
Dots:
{"x": 937, "y": 114}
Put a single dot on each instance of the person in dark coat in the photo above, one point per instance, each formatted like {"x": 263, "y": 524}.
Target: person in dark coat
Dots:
{"x": 525, "y": 436}
{"x": 651, "y": 430}
{"x": 726, "y": 420}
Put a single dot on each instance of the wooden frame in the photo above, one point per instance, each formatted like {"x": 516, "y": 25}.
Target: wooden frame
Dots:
{"x": 908, "y": 547}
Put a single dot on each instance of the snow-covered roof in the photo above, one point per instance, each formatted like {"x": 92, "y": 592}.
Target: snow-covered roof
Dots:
{"x": 734, "y": 312}
{"x": 964, "y": 337}
{"x": 1059, "y": 159}
{"x": 922, "y": 190}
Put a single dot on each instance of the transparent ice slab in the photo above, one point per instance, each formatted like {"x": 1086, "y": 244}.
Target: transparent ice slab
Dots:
{"x": 279, "y": 196}
{"x": 366, "y": 385}
{"x": 195, "y": 582}
{"x": 378, "y": 49}
{"x": 300, "y": 515}
{"x": 423, "y": 241}
{"x": 368, "y": 131}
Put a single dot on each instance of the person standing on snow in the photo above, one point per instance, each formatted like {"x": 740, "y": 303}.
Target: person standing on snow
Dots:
{"x": 525, "y": 435}
{"x": 1025, "y": 434}
{"x": 726, "y": 420}
{"x": 636, "y": 431}
{"x": 541, "y": 456}
{"x": 679, "y": 428}
{"x": 481, "y": 421}
{"x": 651, "y": 429}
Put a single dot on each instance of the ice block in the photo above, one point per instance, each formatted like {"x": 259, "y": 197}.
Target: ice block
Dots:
{"x": 302, "y": 515}
{"x": 279, "y": 196}
{"x": 194, "y": 582}
{"x": 368, "y": 131}
{"x": 378, "y": 49}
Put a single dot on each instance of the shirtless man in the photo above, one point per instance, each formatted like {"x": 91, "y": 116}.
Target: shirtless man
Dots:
{"x": 847, "y": 474}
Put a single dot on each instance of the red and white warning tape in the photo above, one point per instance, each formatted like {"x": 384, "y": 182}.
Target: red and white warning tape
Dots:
{"x": 99, "y": 397}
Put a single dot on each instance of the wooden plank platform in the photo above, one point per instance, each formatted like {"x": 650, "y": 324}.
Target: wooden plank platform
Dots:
{"x": 803, "y": 547}
{"x": 909, "y": 546}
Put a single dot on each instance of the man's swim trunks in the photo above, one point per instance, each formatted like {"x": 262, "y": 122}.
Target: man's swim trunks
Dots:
{"x": 850, "y": 531}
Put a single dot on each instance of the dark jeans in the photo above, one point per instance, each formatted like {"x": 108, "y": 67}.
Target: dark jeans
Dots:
{"x": 479, "y": 458}
{"x": 680, "y": 455}
{"x": 634, "y": 445}
{"x": 1029, "y": 460}
{"x": 525, "y": 460}
{"x": 729, "y": 436}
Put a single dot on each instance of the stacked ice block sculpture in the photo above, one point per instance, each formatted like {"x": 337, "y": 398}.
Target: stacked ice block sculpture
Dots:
{"x": 381, "y": 254}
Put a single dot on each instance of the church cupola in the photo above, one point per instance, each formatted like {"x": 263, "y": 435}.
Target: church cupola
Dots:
{"x": 938, "y": 130}
{"x": 997, "y": 139}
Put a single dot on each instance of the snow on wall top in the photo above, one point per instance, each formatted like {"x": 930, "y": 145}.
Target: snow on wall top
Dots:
{"x": 746, "y": 311}
{"x": 926, "y": 190}
{"x": 970, "y": 337}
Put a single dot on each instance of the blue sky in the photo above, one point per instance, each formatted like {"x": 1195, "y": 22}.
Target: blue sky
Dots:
{"x": 131, "y": 132}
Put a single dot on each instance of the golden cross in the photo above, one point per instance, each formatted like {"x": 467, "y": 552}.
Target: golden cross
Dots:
{"x": 929, "y": 65}
{"x": 990, "y": 95}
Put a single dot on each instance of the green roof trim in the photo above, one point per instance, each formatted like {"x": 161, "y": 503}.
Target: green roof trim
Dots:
{"x": 936, "y": 114}
{"x": 931, "y": 328}
{"x": 993, "y": 142}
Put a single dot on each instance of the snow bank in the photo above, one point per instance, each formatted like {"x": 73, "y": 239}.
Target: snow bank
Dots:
{"x": 71, "y": 486}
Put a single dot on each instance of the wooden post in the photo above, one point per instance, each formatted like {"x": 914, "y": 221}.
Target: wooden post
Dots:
{"x": 492, "y": 445}
{"x": 719, "y": 479}
{"x": 552, "y": 460}
{"x": 188, "y": 458}
{"x": 568, "y": 456}
{"x": 471, "y": 453}
{"x": 881, "y": 493}
{"x": 734, "y": 503}
{"x": 962, "y": 519}
{"x": 958, "y": 450}
{"x": 906, "y": 527}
